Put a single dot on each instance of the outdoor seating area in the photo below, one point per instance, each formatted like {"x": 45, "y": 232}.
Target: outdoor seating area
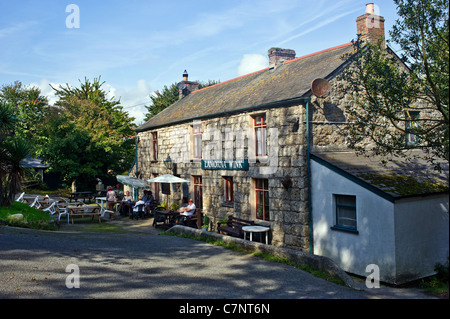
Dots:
{"x": 233, "y": 226}
{"x": 238, "y": 227}
{"x": 59, "y": 207}
{"x": 169, "y": 218}
{"x": 66, "y": 208}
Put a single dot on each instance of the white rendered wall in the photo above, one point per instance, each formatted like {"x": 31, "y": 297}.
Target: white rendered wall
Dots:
{"x": 375, "y": 241}
{"x": 422, "y": 236}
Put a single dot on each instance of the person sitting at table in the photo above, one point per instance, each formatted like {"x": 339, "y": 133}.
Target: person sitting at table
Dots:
{"x": 127, "y": 202}
{"x": 189, "y": 210}
{"x": 135, "y": 209}
{"x": 111, "y": 200}
{"x": 150, "y": 202}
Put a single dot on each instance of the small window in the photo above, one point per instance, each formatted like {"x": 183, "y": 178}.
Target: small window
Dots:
{"x": 345, "y": 212}
{"x": 155, "y": 145}
{"x": 262, "y": 199}
{"x": 260, "y": 125}
{"x": 411, "y": 126}
{"x": 197, "y": 137}
{"x": 228, "y": 196}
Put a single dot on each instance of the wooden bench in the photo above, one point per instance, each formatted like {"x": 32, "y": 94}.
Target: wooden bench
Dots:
{"x": 195, "y": 220}
{"x": 233, "y": 227}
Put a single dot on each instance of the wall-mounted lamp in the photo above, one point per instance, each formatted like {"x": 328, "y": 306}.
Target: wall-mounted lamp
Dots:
{"x": 170, "y": 165}
{"x": 287, "y": 182}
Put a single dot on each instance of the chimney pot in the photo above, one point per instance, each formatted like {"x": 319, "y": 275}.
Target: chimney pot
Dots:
{"x": 370, "y": 8}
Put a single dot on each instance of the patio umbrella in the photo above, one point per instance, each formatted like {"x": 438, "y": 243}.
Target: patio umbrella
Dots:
{"x": 132, "y": 181}
{"x": 169, "y": 179}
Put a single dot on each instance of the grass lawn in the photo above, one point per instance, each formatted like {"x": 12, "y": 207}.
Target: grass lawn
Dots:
{"x": 32, "y": 218}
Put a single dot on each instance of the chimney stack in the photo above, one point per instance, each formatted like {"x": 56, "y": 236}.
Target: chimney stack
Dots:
{"x": 370, "y": 26}
{"x": 185, "y": 87}
{"x": 278, "y": 56}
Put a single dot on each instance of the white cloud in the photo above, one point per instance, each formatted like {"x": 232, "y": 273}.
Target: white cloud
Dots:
{"x": 252, "y": 63}
{"x": 133, "y": 99}
{"x": 47, "y": 91}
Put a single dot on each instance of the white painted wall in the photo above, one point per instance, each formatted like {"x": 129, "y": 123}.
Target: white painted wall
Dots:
{"x": 375, "y": 241}
{"x": 422, "y": 235}
{"x": 405, "y": 239}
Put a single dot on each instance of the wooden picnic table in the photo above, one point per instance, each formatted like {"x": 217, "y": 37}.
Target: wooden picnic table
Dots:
{"x": 84, "y": 211}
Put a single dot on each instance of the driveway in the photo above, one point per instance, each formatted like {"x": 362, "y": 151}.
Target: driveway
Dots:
{"x": 143, "y": 264}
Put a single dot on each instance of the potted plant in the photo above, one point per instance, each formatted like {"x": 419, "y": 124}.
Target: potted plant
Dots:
{"x": 205, "y": 224}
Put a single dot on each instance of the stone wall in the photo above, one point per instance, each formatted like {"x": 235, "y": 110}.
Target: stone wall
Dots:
{"x": 286, "y": 140}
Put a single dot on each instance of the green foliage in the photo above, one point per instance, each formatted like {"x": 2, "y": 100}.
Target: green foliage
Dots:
{"x": 162, "y": 100}
{"x": 174, "y": 206}
{"x": 87, "y": 135}
{"x": 168, "y": 96}
{"x": 388, "y": 91}
{"x": 13, "y": 150}
{"x": 32, "y": 218}
{"x": 29, "y": 108}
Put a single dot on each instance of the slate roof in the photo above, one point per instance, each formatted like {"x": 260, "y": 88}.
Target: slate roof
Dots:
{"x": 396, "y": 178}
{"x": 267, "y": 87}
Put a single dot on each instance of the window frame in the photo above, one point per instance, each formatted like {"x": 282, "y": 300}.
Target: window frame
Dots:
{"x": 264, "y": 190}
{"x": 155, "y": 145}
{"x": 198, "y": 190}
{"x": 228, "y": 190}
{"x": 260, "y": 129}
{"x": 412, "y": 139}
{"x": 338, "y": 225}
{"x": 197, "y": 141}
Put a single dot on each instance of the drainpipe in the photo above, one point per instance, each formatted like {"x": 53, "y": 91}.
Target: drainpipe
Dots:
{"x": 308, "y": 165}
{"x": 136, "y": 151}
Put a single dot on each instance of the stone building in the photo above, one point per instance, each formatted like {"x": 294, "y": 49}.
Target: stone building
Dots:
{"x": 244, "y": 144}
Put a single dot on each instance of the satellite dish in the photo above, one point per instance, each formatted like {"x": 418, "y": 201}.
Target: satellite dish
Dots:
{"x": 181, "y": 86}
{"x": 320, "y": 87}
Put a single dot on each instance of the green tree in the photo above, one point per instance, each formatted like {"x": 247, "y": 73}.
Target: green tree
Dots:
{"x": 87, "y": 135}
{"x": 406, "y": 96}
{"x": 13, "y": 149}
{"x": 161, "y": 100}
{"x": 29, "y": 106}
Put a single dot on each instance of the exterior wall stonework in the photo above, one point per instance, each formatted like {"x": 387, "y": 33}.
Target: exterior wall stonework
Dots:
{"x": 287, "y": 145}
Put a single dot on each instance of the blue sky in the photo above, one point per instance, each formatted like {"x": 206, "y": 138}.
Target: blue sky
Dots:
{"x": 138, "y": 47}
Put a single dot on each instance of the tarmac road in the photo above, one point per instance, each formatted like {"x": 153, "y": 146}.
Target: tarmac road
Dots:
{"x": 141, "y": 265}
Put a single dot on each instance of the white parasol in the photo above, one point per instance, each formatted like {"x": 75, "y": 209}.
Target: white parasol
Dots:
{"x": 169, "y": 179}
{"x": 132, "y": 181}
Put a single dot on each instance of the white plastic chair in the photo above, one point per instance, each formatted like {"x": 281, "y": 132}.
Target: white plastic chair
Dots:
{"x": 52, "y": 209}
{"x": 36, "y": 203}
{"x": 63, "y": 211}
{"x": 103, "y": 211}
{"x": 20, "y": 198}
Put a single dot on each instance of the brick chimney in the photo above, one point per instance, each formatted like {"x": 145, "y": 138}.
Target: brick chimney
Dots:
{"x": 370, "y": 26}
{"x": 278, "y": 56}
{"x": 185, "y": 87}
